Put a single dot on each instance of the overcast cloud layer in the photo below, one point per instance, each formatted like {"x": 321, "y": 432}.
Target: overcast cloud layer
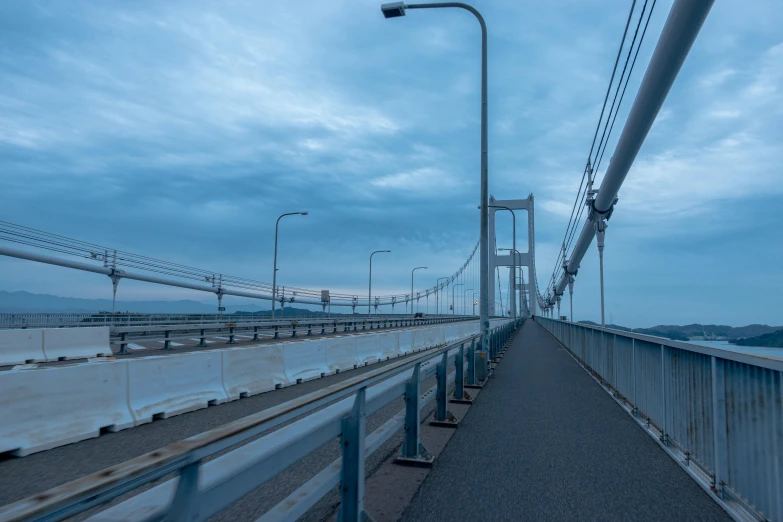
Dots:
{"x": 181, "y": 130}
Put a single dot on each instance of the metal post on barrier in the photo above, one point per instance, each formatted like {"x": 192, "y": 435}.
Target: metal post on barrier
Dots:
{"x": 231, "y": 335}
{"x": 472, "y": 366}
{"x": 293, "y": 328}
{"x": 460, "y": 395}
{"x": 277, "y": 333}
{"x": 123, "y": 345}
{"x": 323, "y": 328}
{"x": 166, "y": 342}
{"x": 719, "y": 423}
{"x": 255, "y": 333}
{"x": 413, "y": 452}
{"x": 185, "y": 504}
{"x": 352, "y": 471}
{"x": 202, "y": 341}
{"x": 443, "y": 417}
{"x": 309, "y": 330}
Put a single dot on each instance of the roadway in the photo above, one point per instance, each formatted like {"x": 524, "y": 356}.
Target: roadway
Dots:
{"x": 545, "y": 442}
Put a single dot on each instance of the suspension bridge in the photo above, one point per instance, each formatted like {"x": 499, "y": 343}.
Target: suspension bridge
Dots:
{"x": 407, "y": 406}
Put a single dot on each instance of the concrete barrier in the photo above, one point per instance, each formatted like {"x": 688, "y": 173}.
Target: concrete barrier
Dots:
{"x": 305, "y": 360}
{"x": 389, "y": 345}
{"x": 434, "y": 336}
{"x": 368, "y": 348}
{"x": 417, "y": 342}
{"x": 21, "y": 346}
{"x": 45, "y": 408}
{"x": 341, "y": 353}
{"x": 253, "y": 370}
{"x": 405, "y": 341}
{"x": 75, "y": 343}
{"x": 166, "y": 385}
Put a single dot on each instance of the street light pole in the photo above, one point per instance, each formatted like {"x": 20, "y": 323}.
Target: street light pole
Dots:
{"x": 417, "y": 268}
{"x": 274, "y": 272}
{"x": 474, "y": 304}
{"x": 452, "y": 297}
{"x": 464, "y": 308}
{"x": 369, "y": 293}
{"x": 437, "y": 285}
{"x": 396, "y": 9}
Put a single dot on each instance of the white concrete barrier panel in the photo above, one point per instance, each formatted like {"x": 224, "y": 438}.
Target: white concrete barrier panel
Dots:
{"x": 341, "y": 353}
{"x": 253, "y": 370}
{"x": 305, "y": 360}
{"x": 417, "y": 343}
{"x": 367, "y": 348}
{"x": 21, "y": 346}
{"x": 45, "y": 408}
{"x": 405, "y": 340}
{"x": 433, "y": 336}
{"x": 389, "y": 345}
{"x": 166, "y": 385}
{"x": 75, "y": 343}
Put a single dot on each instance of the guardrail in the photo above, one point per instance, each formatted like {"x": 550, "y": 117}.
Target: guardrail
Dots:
{"x": 124, "y": 335}
{"x": 205, "y": 488}
{"x": 44, "y": 320}
{"x": 718, "y": 413}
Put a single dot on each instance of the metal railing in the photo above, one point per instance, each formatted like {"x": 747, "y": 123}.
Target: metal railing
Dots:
{"x": 122, "y": 336}
{"x": 67, "y": 320}
{"x": 205, "y": 488}
{"x": 718, "y": 413}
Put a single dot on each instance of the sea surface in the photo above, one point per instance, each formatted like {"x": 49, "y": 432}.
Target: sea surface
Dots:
{"x": 755, "y": 350}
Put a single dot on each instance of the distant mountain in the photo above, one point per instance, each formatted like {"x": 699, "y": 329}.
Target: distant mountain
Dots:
{"x": 774, "y": 340}
{"x": 26, "y": 302}
{"x": 701, "y": 331}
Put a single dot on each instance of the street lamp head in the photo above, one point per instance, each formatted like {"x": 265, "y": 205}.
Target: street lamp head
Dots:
{"x": 393, "y": 9}
{"x": 304, "y": 213}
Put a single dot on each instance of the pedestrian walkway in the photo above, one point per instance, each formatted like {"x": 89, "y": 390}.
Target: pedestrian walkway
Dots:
{"x": 545, "y": 442}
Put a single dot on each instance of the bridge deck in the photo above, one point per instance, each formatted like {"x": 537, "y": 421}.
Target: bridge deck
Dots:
{"x": 545, "y": 442}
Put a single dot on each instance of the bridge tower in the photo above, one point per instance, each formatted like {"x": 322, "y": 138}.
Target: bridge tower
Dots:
{"x": 522, "y": 259}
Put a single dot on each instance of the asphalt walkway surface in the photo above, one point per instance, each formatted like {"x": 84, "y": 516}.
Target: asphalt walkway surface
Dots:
{"x": 545, "y": 442}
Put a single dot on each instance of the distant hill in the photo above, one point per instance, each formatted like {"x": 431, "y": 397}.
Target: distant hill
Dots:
{"x": 773, "y": 340}
{"x": 686, "y": 332}
{"x": 27, "y": 302}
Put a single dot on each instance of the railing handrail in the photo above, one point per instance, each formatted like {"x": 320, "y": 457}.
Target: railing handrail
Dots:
{"x": 762, "y": 361}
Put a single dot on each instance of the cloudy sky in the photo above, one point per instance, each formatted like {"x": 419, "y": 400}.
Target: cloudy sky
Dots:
{"x": 182, "y": 129}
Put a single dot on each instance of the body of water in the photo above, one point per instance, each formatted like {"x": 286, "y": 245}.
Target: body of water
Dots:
{"x": 755, "y": 350}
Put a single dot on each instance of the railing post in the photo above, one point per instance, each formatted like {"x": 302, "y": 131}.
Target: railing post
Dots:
{"x": 635, "y": 410}
{"x": 185, "y": 505}
{"x": 202, "y": 339}
{"x": 323, "y": 328}
{"x": 413, "y": 451}
{"x": 719, "y": 426}
{"x": 167, "y": 342}
{"x": 255, "y": 333}
{"x": 354, "y": 325}
{"x": 352, "y": 472}
{"x": 460, "y": 395}
{"x": 309, "y": 330}
{"x": 664, "y": 397}
{"x": 472, "y": 366}
{"x": 443, "y": 417}
{"x": 231, "y": 335}
{"x": 293, "y": 328}
{"x": 124, "y": 345}
{"x": 277, "y": 333}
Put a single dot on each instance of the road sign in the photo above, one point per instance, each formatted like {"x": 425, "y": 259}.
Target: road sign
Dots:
{"x": 221, "y": 308}
{"x": 325, "y": 296}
